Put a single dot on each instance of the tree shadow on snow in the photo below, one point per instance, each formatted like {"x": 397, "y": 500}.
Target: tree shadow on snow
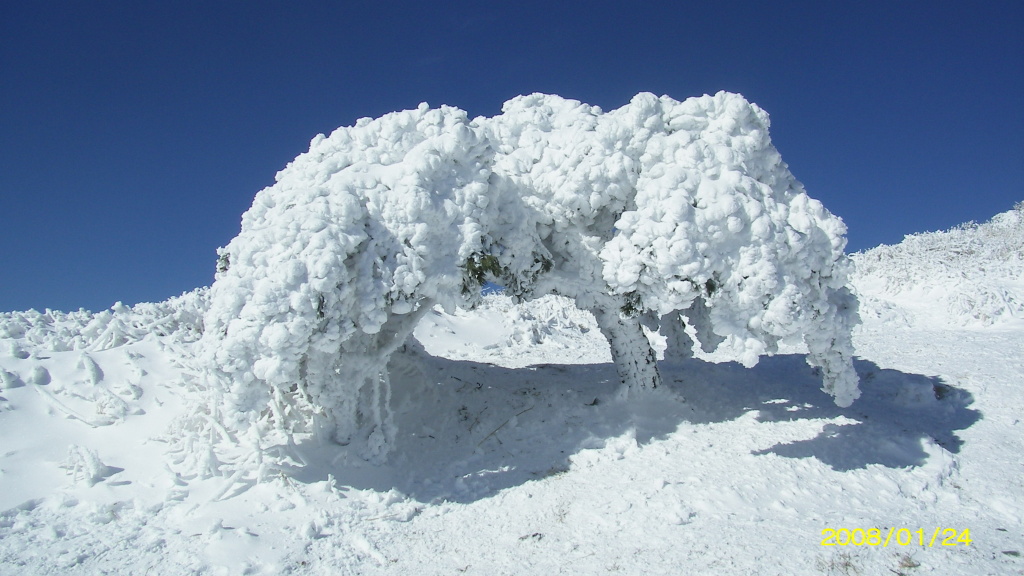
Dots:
{"x": 886, "y": 425}
{"x": 467, "y": 430}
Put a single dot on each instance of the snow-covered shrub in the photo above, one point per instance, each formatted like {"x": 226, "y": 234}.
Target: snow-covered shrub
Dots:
{"x": 970, "y": 274}
{"x": 180, "y": 318}
{"x": 85, "y": 467}
{"x": 659, "y": 213}
{"x": 336, "y": 263}
{"x": 677, "y": 212}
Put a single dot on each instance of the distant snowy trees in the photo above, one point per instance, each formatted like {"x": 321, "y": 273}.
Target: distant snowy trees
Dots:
{"x": 674, "y": 216}
{"x": 972, "y": 274}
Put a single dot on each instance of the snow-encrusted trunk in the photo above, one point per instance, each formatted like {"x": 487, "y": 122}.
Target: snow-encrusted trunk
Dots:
{"x": 632, "y": 354}
{"x": 365, "y": 415}
{"x": 678, "y": 344}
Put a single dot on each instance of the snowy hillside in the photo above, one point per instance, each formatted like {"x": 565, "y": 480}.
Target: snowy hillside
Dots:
{"x": 516, "y": 455}
{"x": 970, "y": 275}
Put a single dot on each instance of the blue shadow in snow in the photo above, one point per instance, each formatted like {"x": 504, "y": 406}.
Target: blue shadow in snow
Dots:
{"x": 896, "y": 412}
{"x": 468, "y": 430}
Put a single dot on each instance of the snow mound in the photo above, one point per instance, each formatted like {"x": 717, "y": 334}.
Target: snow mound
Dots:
{"x": 972, "y": 274}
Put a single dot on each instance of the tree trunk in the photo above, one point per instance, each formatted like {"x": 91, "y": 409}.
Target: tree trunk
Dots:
{"x": 678, "y": 344}
{"x": 634, "y": 359}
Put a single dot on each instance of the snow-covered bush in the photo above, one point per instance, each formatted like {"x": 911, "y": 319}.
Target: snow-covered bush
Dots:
{"x": 970, "y": 274}
{"x": 180, "y": 317}
{"x": 336, "y": 263}
{"x": 671, "y": 213}
{"x": 660, "y": 214}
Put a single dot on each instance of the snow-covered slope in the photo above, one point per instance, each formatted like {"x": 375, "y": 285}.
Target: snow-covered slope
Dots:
{"x": 516, "y": 455}
{"x": 968, "y": 276}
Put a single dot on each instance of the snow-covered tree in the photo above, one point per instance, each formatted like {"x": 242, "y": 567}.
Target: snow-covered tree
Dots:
{"x": 662, "y": 214}
{"x": 334, "y": 266}
{"x": 669, "y": 214}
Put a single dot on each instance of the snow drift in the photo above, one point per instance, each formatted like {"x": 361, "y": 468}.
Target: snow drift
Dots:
{"x": 676, "y": 216}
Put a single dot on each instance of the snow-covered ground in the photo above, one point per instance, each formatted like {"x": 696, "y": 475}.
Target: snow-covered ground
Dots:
{"x": 515, "y": 455}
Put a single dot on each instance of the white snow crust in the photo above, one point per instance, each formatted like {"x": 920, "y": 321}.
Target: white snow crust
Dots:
{"x": 516, "y": 455}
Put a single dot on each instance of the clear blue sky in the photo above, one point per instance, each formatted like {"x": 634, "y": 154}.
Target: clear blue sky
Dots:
{"x": 134, "y": 134}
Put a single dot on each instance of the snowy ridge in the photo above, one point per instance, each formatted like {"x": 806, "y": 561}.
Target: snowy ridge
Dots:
{"x": 972, "y": 274}
{"x": 501, "y": 331}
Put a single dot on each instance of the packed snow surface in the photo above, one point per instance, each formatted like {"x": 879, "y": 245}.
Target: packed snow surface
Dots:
{"x": 516, "y": 455}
